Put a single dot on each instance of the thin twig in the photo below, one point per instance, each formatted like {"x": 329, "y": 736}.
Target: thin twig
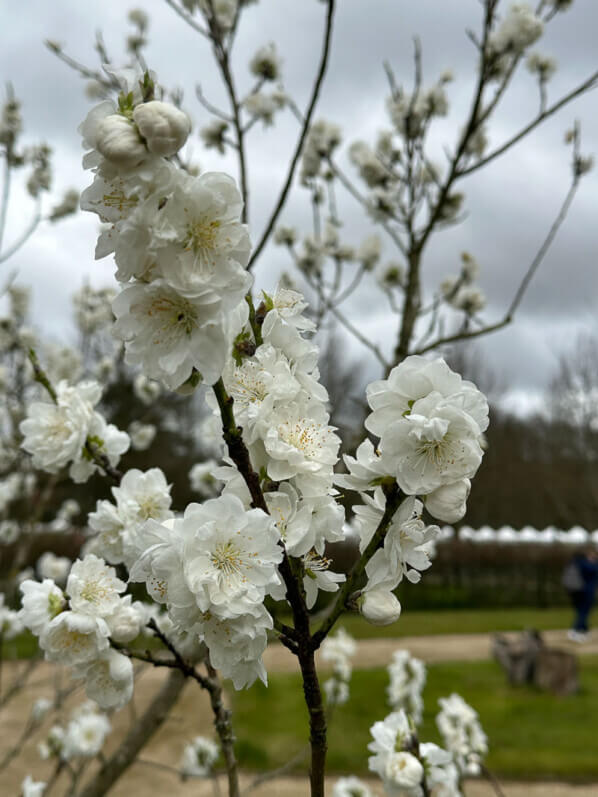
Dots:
{"x": 587, "y": 85}
{"x": 304, "y": 130}
{"x": 519, "y": 293}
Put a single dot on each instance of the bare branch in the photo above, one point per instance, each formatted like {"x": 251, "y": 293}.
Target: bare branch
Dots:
{"x": 527, "y": 277}
{"x": 304, "y": 130}
{"x": 587, "y": 85}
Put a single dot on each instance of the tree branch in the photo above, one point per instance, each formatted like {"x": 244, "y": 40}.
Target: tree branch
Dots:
{"x": 587, "y": 85}
{"x": 393, "y": 501}
{"x": 306, "y": 123}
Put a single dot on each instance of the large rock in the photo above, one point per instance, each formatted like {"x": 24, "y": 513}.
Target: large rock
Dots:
{"x": 528, "y": 660}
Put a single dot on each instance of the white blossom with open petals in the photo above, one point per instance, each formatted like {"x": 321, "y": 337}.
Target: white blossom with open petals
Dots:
{"x": 72, "y": 638}
{"x": 168, "y": 335}
{"x": 230, "y": 555}
{"x": 199, "y": 239}
{"x": 93, "y": 587}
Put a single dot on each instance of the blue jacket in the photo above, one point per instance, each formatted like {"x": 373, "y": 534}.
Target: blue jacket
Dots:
{"x": 589, "y": 573}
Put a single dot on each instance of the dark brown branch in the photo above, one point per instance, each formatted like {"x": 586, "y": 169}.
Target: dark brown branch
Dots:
{"x": 393, "y": 500}
{"x": 587, "y": 85}
{"x": 304, "y": 130}
{"x": 527, "y": 277}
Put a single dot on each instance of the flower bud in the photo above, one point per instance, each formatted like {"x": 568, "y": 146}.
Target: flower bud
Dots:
{"x": 118, "y": 141}
{"x": 448, "y": 503}
{"x": 379, "y": 606}
{"x": 404, "y": 770}
{"x": 163, "y": 126}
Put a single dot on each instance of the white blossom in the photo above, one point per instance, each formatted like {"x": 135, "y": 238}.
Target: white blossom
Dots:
{"x": 266, "y": 63}
{"x": 168, "y": 335}
{"x": 93, "y": 587}
{"x": 199, "y": 757}
{"x": 85, "y": 735}
{"x": 41, "y": 603}
{"x": 141, "y": 435}
{"x": 32, "y": 788}
{"x": 109, "y": 679}
{"x": 72, "y": 638}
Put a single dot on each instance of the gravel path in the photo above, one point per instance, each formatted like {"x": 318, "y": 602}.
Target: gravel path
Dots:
{"x": 449, "y": 647}
{"x": 192, "y": 716}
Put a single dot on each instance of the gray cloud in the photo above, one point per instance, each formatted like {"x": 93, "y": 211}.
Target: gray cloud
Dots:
{"x": 510, "y": 205}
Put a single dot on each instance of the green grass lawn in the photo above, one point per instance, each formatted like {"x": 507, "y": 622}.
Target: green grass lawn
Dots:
{"x": 459, "y": 621}
{"x": 531, "y": 734}
{"x": 411, "y": 623}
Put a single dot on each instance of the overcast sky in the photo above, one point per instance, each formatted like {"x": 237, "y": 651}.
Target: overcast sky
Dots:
{"x": 510, "y": 204}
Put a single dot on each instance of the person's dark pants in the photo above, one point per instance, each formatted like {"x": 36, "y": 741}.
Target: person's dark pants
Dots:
{"x": 582, "y": 603}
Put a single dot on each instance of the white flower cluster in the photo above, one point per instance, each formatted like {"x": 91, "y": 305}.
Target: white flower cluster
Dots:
{"x": 460, "y": 292}
{"x": 118, "y": 526}
{"x": 83, "y": 736}
{"x": 338, "y": 649}
{"x": 59, "y": 433}
{"x": 430, "y": 423}
{"x": 323, "y": 138}
{"x": 199, "y": 756}
{"x": 462, "y": 733}
{"x": 409, "y": 115}
{"x": 518, "y": 30}
{"x": 180, "y": 248}
{"x": 77, "y": 632}
{"x": 409, "y": 769}
{"x": 407, "y": 680}
{"x": 212, "y": 569}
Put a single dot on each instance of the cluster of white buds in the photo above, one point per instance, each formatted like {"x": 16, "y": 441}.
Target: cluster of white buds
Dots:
{"x": 77, "y": 628}
{"x": 199, "y": 757}
{"x": 462, "y": 733}
{"x": 266, "y": 63}
{"x": 460, "y": 292}
{"x": 323, "y": 138}
{"x": 83, "y": 736}
{"x": 410, "y": 114}
{"x": 517, "y": 31}
{"x": 93, "y": 309}
{"x": 179, "y": 245}
{"x": 541, "y": 65}
{"x": 406, "y": 767}
{"x": 263, "y": 106}
{"x": 407, "y": 681}
{"x": 338, "y": 650}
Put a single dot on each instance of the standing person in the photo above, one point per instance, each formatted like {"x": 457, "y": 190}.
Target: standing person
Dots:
{"x": 580, "y": 579}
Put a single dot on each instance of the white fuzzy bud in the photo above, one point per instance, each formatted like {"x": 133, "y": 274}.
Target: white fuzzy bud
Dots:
{"x": 379, "y": 607}
{"x": 164, "y": 127}
{"x": 448, "y": 503}
{"x": 118, "y": 141}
